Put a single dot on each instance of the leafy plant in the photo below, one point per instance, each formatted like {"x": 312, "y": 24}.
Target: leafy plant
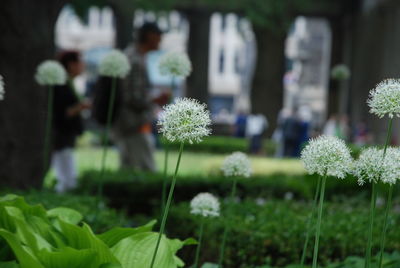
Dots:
{"x": 32, "y": 237}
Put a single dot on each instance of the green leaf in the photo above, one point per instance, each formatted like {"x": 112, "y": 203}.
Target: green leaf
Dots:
{"x": 209, "y": 265}
{"x": 137, "y": 251}
{"x": 9, "y": 264}
{"x": 24, "y": 257}
{"x": 66, "y": 214}
{"x": 83, "y": 238}
{"x": 68, "y": 257}
{"x": 113, "y": 236}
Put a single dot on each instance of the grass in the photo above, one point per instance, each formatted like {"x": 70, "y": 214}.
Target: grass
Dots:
{"x": 192, "y": 163}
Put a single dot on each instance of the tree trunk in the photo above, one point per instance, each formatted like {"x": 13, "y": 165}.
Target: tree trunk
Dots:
{"x": 27, "y": 38}
{"x": 267, "y": 87}
{"x": 123, "y": 13}
{"x": 198, "y": 49}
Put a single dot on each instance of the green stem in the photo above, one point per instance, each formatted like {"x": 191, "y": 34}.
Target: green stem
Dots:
{"x": 389, "y": 199}
{"x": 318, "y": 230}
{"x": 105, "y": 137}
{"x": 385, "y": 225}
{"x": 196, "y": 261}
{"x": 373, "y": 204}
{"x": 222, "y": 251}
{"x": 165, "y": 179}
{"x": 388, "y": 136}
{"x": 47, "y": 134}
{"x": 167, "y": 205}
{"x": 371, "y": 225}
{"x": 310, "y": 217}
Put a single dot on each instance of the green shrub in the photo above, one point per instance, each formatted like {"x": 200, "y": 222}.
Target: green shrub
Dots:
{"x": 140, "y": 192}
{"x": 221, "y": 144}
{"x": 32, "y": 237}
{"x": 226, "y": 144}
{"x": 273, "y": 233}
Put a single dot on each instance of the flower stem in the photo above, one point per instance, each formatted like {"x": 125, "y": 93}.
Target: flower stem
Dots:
{"x": 196, "y": 262}
{"x": 47, "y": 134}
{"x": 385, "y": 225}
{"x": 222, "y": 251}
{"x": 388, "y": 136}
{"x": 105, "y": 137}
{"x": 167, "y": 206}
{"x": 389, "y": 199}
{"x": 310, "y": 217}
{"x": 165, "y": 179}
{"x": 318, "y": 230}
{"x": 373, "y": 206}
{"x": 371, "y": 225}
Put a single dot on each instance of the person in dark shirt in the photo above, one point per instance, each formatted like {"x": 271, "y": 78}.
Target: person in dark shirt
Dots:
{"x": 67, "y": 122}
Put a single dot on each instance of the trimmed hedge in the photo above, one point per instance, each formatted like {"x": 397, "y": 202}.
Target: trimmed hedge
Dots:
{"x": 273, "y": 233}
{"x": 226, "y": 144}
{"x": 140, "y": 192}
{"x": 221, "y": 144}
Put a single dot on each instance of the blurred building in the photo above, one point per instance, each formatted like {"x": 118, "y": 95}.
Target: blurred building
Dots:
{"x": 231, "y": 58}
{"x": 308, "y": 49}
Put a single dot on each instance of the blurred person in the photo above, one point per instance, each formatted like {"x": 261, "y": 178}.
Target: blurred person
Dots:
{"x": 256, "y": 124}
{"x": 330, "y": 128}
{"x": 362, "y": 136}
{"x": 304, "y": 116}
{"x": 240, "y": 125}
{"x": 132, "y": 130}
{"x": 343, "y": 129}
{"x": 67, "y": 123}
{"x": 277, "y": 136}
{"x": 291, "y": 134}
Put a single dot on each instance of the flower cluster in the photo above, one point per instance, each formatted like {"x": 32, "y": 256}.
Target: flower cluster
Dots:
{"x": 2, "y": 91}
{"x": 115, "y": 64}
{"x": 50, "y": 73}
{"x": 340, "y": 72}
{"x": 237, "y": 164}
{"x": 327, "y": 156}
{"x": 205, "y": 204}
{"x": 384, "y": 98}
{"x": 373, "y": 167}
{"x": 175, "y": 64}
{"x": 186, "y": 120}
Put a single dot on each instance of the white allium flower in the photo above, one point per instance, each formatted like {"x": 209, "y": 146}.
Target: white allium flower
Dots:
{"x": 327, "y": 156}
{"x": 237, "y": 164}
{"x": 340, "y": 72}
{"x": 115, "y": 64}
{"x": 186, "y": 120}
{"x": 175, "y": 64}
{"x": 205, "y": 204}
{"x": 2, "y": 91}
{"x": 372, "y": 167}
{"x": 385, "y": 98}
{"x": 50, "y": 73}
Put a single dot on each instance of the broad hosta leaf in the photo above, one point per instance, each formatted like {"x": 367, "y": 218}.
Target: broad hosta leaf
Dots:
{"x": 9, "y": 264}
{"x": 137, "y": 251}
{"x": 68, "y": 258}
{"x": 115, "y": 235}
{"x": 83, "y": 238}
{"x": 66, "y": 214}
{"x": 23, "y": 255}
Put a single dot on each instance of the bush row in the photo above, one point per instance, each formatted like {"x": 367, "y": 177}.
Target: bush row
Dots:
{"x": 273, "y": 233}
{"x": 226, "y": 144}
{"x": 140, "y": 192}
{"x": 220, "y": 144}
